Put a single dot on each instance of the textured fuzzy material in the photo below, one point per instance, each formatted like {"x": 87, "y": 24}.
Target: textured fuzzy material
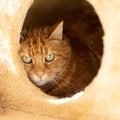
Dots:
{"x": 22, "y": 100}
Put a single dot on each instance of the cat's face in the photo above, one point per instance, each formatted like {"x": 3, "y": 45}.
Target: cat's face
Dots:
{"x": 44, "y": 59}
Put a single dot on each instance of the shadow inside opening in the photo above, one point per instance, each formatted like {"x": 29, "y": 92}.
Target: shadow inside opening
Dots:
{"x": 84, "y": 31}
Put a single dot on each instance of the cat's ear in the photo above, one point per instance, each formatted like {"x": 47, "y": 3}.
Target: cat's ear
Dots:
{"x": 57, "y": 33}
{"x": 21, "y": 38}
{"x": 23, "y": 35}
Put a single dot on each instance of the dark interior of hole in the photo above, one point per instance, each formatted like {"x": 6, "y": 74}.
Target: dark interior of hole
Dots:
{"x": 81, "y": 25}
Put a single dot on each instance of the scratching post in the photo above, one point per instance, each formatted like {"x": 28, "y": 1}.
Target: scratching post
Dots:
{"x": 19, "y": 98}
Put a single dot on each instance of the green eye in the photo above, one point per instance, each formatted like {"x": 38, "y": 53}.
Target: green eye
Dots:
{"x": 50, "y": 57}
{"x": 26, "y": 59}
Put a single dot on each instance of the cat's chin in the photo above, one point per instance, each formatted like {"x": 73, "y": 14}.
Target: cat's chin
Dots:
{"x": 38, "y": 81}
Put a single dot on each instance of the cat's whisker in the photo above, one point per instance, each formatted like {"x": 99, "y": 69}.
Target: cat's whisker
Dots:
{"x": 71, "y": 71}
{"x": 62, "y": 79}
{"x": 54, "y": 81}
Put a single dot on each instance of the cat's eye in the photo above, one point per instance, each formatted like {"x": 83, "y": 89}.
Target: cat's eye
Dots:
{"x": 50, "y": 57}
{"x": 26, "y": 59}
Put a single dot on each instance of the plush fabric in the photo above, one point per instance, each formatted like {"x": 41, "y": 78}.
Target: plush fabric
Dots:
{"x": 20, "y": 99}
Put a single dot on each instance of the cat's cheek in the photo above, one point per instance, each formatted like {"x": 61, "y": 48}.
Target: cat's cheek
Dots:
{"x": 28, "y": 67}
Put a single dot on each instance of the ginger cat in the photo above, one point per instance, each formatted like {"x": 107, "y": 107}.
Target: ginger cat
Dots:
{"x": 51, "y": 63}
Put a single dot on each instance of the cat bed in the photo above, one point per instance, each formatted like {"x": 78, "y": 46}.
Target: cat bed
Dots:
{"x": 20, "y": 99}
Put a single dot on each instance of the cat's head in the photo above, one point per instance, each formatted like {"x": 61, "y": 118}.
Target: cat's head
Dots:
{"x": 45, "y": 56}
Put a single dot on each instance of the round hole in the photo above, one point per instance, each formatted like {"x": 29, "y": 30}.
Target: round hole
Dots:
{"x": 84, "y": 31}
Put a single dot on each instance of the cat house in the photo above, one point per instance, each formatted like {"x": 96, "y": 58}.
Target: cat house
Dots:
{"x": 19, "y": 98}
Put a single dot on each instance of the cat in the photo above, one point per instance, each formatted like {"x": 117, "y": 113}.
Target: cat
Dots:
{"x": 52, "y": 64}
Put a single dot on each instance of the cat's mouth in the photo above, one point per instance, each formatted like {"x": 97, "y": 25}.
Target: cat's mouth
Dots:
{"x": 43, "y": 83}
{"x": 38, "y": 81}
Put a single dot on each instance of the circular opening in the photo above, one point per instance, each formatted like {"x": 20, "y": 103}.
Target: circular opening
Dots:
{"x": 81, "y": 54}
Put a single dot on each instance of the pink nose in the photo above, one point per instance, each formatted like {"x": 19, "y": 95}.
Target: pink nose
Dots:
{"x": 40, "y": 74}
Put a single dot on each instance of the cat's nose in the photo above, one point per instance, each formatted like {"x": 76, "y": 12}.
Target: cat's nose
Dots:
{"x": 40, "y": 74}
